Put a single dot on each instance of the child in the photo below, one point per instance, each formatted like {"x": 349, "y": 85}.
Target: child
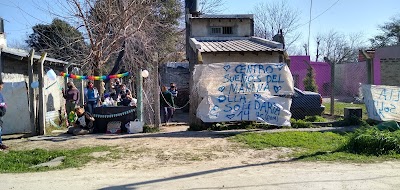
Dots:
{"x": 84, "y": 124}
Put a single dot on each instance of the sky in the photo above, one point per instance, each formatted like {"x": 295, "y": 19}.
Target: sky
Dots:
{"x": 344, "y": 16}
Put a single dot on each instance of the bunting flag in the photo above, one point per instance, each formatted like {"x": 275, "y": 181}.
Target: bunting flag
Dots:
{"x": 104, "y": 77}
{"x": 114, "y": 115}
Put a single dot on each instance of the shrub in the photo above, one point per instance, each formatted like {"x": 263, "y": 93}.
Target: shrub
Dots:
{"x": 371, "y": 141}
{"x": 309, "y": 80}
{"x": 315, "y": 118}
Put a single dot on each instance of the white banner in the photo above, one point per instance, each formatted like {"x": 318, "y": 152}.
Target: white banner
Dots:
{"x": 245, "y": 107}
{"x": 243, "y": 78}
{"x": 382, "y": 102}
{"x": 244, "y": 92}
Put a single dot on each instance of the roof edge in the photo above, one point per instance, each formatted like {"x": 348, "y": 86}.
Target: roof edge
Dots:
{"x": 23, "y": 53}
{"x": 268, "y": 42}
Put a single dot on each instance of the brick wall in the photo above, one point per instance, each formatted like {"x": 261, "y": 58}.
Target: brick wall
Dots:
{"x": 390, "y": 68}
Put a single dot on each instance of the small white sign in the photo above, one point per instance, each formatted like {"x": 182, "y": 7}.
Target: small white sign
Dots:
{"x": 382, "y": 102}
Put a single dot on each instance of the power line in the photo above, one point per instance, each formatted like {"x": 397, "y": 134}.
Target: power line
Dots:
{"x": 319, "y": 14}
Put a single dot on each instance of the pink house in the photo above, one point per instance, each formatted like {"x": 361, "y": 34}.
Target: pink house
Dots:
{"x": 298, "y": 67}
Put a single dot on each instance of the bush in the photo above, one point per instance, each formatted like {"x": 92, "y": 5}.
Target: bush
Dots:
{"x": 315, "y": 118}
{"x": 371, "y": 141}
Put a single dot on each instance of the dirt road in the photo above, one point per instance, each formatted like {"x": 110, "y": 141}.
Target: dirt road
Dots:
{"x": 178, "y": 159}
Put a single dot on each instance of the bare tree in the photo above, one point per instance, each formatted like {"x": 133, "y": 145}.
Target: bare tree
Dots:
{"x": 269, "y": 18}
{"x": 211, "y": 6}
{"x": 340, "y": 48}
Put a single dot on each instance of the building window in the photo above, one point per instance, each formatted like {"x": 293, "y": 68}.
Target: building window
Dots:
{"x": 227, "y": 30}
{"x": 221, "y": 30}
{"x": 216, "y": 30}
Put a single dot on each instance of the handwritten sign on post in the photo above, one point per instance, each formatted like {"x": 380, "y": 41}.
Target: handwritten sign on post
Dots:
{"x": 382, "y": 102}
{"x": 244, "y": 92}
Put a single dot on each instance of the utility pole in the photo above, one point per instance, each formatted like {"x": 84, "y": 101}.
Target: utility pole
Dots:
{"x": 139, "y": 94}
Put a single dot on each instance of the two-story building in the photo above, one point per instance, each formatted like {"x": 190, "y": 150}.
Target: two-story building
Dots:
{"x": 225, "y": 38}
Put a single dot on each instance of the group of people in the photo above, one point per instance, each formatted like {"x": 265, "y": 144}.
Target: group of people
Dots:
{"x": 117, "y": 94}
{"x": 167, "y": 102}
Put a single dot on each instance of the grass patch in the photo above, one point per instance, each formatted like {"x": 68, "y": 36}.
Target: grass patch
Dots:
{"x": 364, "y": 145}
{"x": 21, "y": 161}
{"x": 339, "y": 108}
{"x": 314, "y": 141}
{"x": 150, "y": 129}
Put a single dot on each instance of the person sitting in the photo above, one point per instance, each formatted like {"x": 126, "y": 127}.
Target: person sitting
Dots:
{"x": 83, "y": 124}
{"x": 125, "y": 100}
{"x": 124, "y": 90}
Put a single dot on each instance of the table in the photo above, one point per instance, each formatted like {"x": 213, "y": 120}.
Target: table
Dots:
{"x": 103, "y": 115}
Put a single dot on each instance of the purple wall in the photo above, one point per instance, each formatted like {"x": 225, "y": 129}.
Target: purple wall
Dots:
{"x": 377, "y": 69}
{"x": 298, "y": 67}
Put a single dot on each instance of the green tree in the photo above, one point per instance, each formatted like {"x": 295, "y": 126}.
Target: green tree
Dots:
{"x": 309, "y": 80}
{"x": 390, "y": 34}
{"x": 59, "y": 39}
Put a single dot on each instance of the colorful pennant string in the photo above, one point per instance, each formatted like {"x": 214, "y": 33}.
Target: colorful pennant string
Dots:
{"x": 104, "y": 77}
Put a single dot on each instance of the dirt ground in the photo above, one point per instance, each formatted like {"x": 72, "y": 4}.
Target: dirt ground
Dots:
{"x": 178, "y": 159}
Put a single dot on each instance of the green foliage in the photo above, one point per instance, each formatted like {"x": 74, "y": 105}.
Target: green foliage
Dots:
{"x": 21, "y": 161}
{"x": 364, "y": 145}
{"x": 309, "y": 80}
{"x": 372, "y": 141}
{"x": 59, "y": 39}
{"x": 390, "y": 34}
{"x": 315, "y": 118}
{"x": 300, "y": 123}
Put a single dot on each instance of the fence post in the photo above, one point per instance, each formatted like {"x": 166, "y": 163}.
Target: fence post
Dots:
{"x": 42, "y": 101}
{"x": 370, "y": 69}
{"x": 156, "y": 92}
{"x": 31, "y": 92}
{"x": 332, "y": 85}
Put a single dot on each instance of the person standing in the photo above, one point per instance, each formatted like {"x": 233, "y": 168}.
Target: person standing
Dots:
{"x": 3, "y": 107}
{"x": 71, "y": 96}
{"x": 91, "y": 97}
{"x": 173, "y": 90}
{"x": 167, "y": 104}
{"x": 117, "y": 86}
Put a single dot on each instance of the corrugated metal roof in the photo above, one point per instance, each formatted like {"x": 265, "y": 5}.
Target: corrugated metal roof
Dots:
{"x": 242, "y": 16}
{"x": 23, "y": 53}
{"x": 236, "y": 45}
